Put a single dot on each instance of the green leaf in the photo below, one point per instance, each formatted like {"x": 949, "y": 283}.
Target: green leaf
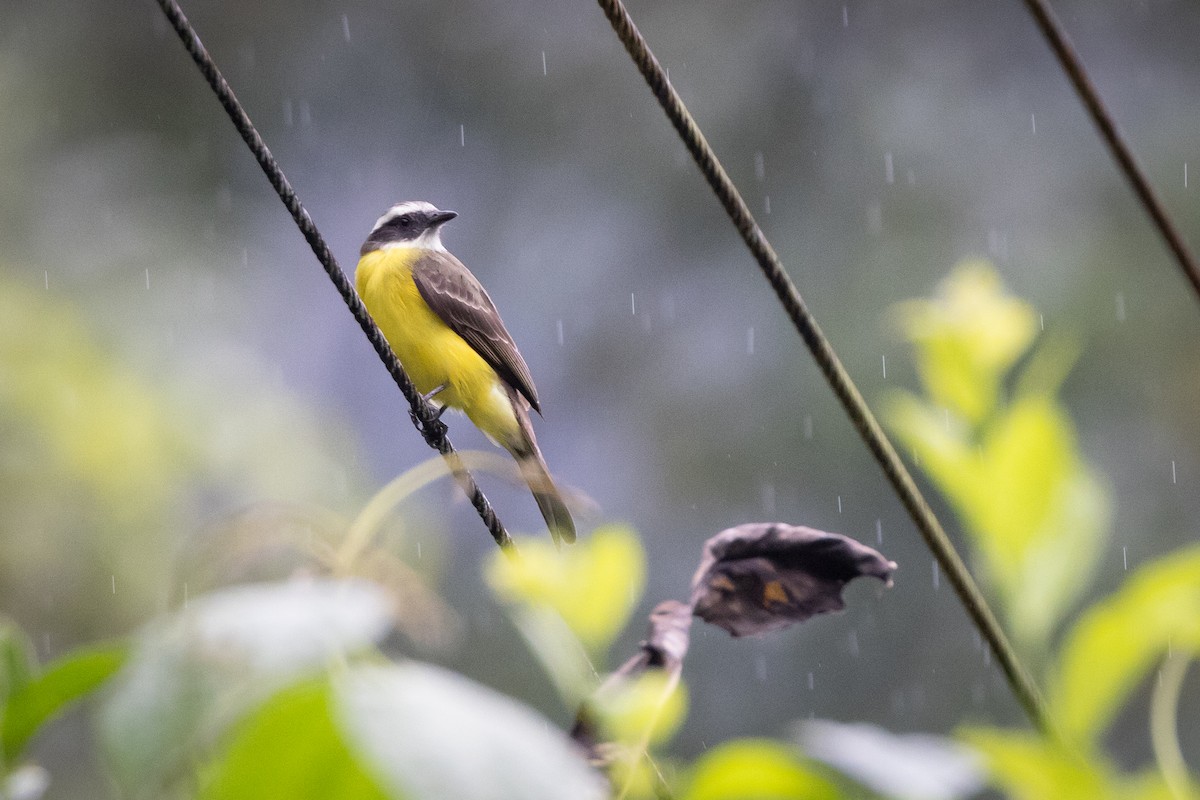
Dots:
{"x": 1028, "y": 454}
{"x": 291, "y": 747}
{"x": 1116, "y": 642}
{"x": 63, "y": 682}
{"x": 1040, "y": 517}
{"x": 1028, "y": 767}
{"x": 756, "y": 769}
{"x": 1149, "y": 785}
{"x": 16, "y": 661}
{"x": 647, "y": 710}
{"x": 940, "y": 441}
{"x": 1060, "y": 563}
{"x": 193, "y": 675}
{"x": 429, "y": 734}
{"x": 557, "y": 649}
{"x": 593, "y": 586}
{"x": 967, "y": 338}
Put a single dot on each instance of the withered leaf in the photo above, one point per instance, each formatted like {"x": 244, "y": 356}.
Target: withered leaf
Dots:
{"x": 665, "y": 645}
{"x": 764, "y": 576}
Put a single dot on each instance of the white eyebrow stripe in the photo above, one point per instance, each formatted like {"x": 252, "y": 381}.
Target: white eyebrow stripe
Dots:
{"x": 407, "y": 207}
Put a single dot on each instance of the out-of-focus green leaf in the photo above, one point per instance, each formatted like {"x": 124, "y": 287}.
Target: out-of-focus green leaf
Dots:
{"x": 967, "y": 338}
{"x": 644, "y": 711}
{"x": 429, "y": 734}
{"x": 910, "y": 766}
{"x": 89, "y": 445}
{"x": 1150, "y": 785}
{"x": 1036, "y": 514}
{"x": 756, "y": 769}
{"x": 16, "y": 661}
{"x": 63, "y": 682}
{"x": 291, "y": 748}
{"x": 155, "y": 717}
{"x": 633, "y": 716}
{"x": 1028, "y": 767}
{"x": 1060, "y": 563}
{"x": 558, "y": 650}
{"x": 1116, "y": 642}
{"x": 593, "y": 586}
{"x": 194, "y": 674}
{"x": 1028, "y": 453}
{"x": 1048, "y": 365}
{"x": 90, "y": 413}
{"x": 941, "y": 443}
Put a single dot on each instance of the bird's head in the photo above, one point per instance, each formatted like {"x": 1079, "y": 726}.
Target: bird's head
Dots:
{"x": 413, "y": 223}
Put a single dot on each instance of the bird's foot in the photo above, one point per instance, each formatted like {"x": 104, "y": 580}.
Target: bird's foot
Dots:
{"x": 429, "y": 419}
{"x": 430, "y": 425}
{"x": 436, "y": 390}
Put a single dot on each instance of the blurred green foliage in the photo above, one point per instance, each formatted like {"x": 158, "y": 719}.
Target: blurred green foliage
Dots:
{"x": 992, "y": 437}
{"x": 1007, "y": 460}
{"x": 277, "y": 690}
{"x": 594, "y": 587}
{"x": 30, "y": 699}
{"x": 291, "y": 747}
{"x": 115, "y": 472}
{"x": 757, "y": 769}
{"x": 575, "y": 601}
{"x": 281, "y": 687}
{"x": 1117, "y": 642}
{"x": 91, "y": 454}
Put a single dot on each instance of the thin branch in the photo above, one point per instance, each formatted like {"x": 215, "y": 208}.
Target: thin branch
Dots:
{"x": 424, "y": 416}
{"x": 1057, "y": 38}
{"x": 856, "y": 408}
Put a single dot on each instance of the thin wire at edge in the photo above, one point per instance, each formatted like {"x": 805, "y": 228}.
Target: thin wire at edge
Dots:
{"x": 1072, "y": 64}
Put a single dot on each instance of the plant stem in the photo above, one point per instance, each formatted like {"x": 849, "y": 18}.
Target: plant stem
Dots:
{"x": 1164, "y": 735}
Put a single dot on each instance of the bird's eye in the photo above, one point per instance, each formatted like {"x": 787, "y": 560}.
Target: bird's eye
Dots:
{"x": 405, "y": 220}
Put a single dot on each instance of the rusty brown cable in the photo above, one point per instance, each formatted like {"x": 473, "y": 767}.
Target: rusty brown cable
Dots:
{"x": 1072, "y": 64}
{"x": 1023, "y": 686}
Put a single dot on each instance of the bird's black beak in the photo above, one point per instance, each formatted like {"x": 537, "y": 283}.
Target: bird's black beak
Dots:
{"x": 441, "y": 217}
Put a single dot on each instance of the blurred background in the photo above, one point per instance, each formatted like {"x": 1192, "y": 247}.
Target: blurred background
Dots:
{"x": 183, "y": 393}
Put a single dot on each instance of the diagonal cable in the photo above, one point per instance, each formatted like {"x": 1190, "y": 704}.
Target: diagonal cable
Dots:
{"x": 424, "y": 416}
{"x": 1019, "y": 679}
{"x": 1072, "y": 64}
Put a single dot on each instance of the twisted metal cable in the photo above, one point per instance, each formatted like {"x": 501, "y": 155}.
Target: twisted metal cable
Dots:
{"x": 1072, "y": 64}
{"x": 424, "y": 416}
{"x": 1019, "y": 679}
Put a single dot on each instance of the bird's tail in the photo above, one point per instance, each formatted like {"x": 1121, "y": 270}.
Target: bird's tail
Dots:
{"x": 535, "y": 473}
{"x": 546, "y": 495}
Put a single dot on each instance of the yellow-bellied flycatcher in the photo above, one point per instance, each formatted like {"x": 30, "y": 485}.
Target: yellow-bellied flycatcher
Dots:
{"x": 451, "y": 341}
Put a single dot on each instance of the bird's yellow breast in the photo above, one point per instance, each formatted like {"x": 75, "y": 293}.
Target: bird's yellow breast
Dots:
{"x": 433, "y": 355}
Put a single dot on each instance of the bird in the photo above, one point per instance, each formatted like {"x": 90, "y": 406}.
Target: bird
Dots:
{"x": 451, "y": 341}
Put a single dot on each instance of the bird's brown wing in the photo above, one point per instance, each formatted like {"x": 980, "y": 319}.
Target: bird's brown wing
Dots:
{"x": 461, "y": 302}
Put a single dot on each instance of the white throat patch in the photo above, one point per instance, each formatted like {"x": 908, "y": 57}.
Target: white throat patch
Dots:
{"x": 429, "y": 240}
